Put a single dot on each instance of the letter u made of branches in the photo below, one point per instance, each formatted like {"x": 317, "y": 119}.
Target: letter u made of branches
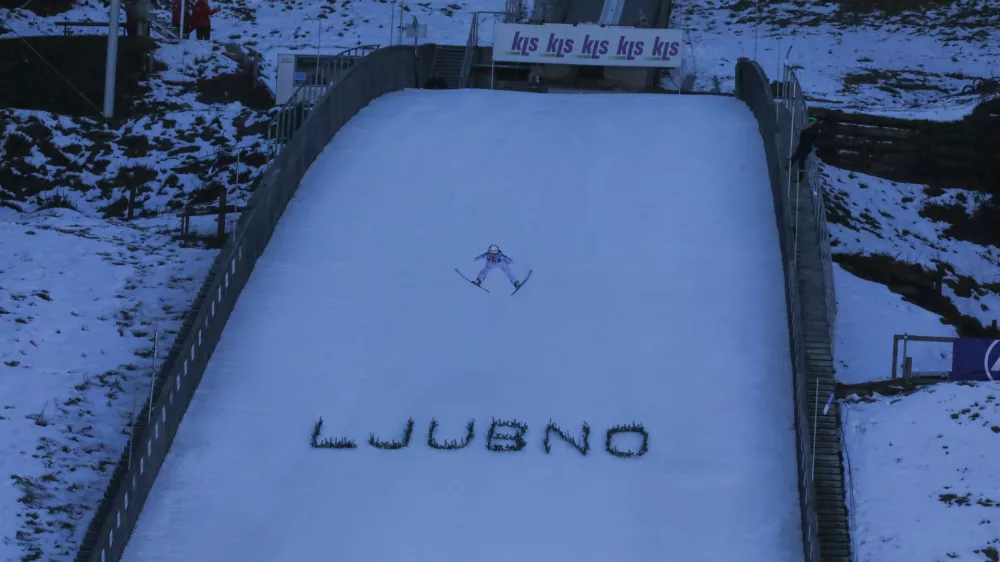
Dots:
{"x": 390, "y": 445}
{"x": 470, "y": 431}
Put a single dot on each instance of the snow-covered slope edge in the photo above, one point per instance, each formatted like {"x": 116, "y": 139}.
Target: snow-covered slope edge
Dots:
{"x": 86, "y": 297}
{"x": 84, "y": 303}
{"x": 924, "y": 471}
{"x": 921, "y": 464}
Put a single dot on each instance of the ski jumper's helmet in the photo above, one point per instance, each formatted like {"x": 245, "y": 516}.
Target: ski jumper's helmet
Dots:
{"x": 493, "y": 250}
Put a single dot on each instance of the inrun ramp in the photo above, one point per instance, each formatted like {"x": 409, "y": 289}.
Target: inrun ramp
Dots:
{"x": 657, "y": 298}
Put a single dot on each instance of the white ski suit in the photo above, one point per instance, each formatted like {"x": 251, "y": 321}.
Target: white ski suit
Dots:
{"x": 500, "y": 260}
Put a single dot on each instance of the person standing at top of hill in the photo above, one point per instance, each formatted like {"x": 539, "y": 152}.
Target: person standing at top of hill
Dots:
{"x": 137, "y": 17}
{"x": 201, "y": 19}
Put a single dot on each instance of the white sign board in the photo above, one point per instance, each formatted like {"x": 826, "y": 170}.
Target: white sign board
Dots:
{"x": 416, "y": 31}
{"x": 591, "y": 45}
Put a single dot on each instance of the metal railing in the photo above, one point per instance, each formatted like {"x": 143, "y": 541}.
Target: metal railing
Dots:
{"x": 683, "y": 77}
{"x": 514, "y": 11}
{"x": 290, "y": 115}
{"x": 514, "y": 14}
{"x": 223, "y": 157}
{"x": 384, "y": 71}
{"x": 793, "y": 102}
{"x": 165, "y": 30}
{"x": 754, "y": 89}
{"x": 470, "y": 53}
{"x": 611, "y": 13}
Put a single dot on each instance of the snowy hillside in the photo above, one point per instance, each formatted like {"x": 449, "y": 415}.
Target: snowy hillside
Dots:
{"x": 868, "y": 314}
{"x": 168, "y": 150}
{"x": 81, "y": 295}
{"x": 922, "y": 464}
{"x": 885, "y": 231}
{"x": 85, "y": 296}
{"x": 906, "y": 58}
{"x": 924, "y": 474}
{"x": 909, "y": 60}
{"x": 272, "y": 27}
{"x": 83, "y": 304}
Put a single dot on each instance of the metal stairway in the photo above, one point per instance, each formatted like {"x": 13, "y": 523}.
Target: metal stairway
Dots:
{"x": 834, "y": 529}
{"x": 448, "y": 64}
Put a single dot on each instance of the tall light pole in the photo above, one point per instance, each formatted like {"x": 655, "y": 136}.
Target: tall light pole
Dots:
{"x": 319, "y": 39}
{"x": 112, "y": 63}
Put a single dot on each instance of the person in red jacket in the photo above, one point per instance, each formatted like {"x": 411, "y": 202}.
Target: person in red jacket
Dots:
{"x": 175, "y": 18}
{"x": 201, "y": 19}
{"x": 131, "y": 22}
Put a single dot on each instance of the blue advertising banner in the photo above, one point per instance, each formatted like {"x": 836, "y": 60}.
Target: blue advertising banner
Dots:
{"x": 974, "y": 359}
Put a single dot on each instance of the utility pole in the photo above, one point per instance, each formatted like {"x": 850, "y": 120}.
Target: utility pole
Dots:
{"x": 112, "y": 63}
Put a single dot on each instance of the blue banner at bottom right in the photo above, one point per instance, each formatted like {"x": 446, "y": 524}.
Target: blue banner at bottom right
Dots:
{"x": 975, "y": 359}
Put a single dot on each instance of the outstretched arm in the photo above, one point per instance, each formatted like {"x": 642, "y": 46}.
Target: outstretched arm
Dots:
{"x": 479, "y": 257}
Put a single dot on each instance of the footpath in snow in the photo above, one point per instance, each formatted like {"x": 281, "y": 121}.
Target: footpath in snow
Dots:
{"x": 656, "y": 300}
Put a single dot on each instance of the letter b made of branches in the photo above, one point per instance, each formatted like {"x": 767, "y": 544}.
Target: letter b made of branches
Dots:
{"x": 517, "y": 437}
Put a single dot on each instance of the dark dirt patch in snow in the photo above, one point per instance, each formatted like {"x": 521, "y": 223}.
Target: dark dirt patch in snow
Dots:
{"x": 80, "y": 61}
{"x": 945, "y": 14}
{"x": 43, "y": 8}
{"x": 982, "y": 226}
{"x": 947, "y": 154}
{"x": 952, "y": 19}
{"x": 894, "y": 7}
{"x": 987, "y": 109}
{"x": 149, "y": 165}
{"x": 920, "y": 286}
{"x": 976, "y": 222}
{"x": 234, "y": 87}
{"x": 892, "y": 81}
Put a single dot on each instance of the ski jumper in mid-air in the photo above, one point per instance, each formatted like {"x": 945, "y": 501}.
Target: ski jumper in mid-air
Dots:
{"x": 495, "y": 258}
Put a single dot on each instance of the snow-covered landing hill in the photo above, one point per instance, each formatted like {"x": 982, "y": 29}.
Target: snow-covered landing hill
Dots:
{"x": 905, "y": 63}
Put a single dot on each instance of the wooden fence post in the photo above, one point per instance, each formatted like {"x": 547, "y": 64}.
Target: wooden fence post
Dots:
{"x": 131, "y": 201}
{"x": 895, "y": 354}
{"x": 908, "y": 373}
{"x": 185, "y": 225}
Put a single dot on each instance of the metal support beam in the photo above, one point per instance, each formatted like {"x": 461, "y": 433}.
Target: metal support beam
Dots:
{"x": 112, "y": 62}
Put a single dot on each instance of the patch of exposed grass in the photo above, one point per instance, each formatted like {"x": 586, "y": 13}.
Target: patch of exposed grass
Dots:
{"x": 892, "y": 8}
{"x": 981, "y": 227}
{"x": 234, "y": 87}
{"x": 43, "y": 8}
{"x": 892, "y": 81}
{"x": 916, "y": 284}
{"x": 80, "y": 59}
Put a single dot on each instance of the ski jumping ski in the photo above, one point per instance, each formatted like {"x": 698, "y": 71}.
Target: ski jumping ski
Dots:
{"x": 523, "y": 281}
{"x": 470, "y": 280}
